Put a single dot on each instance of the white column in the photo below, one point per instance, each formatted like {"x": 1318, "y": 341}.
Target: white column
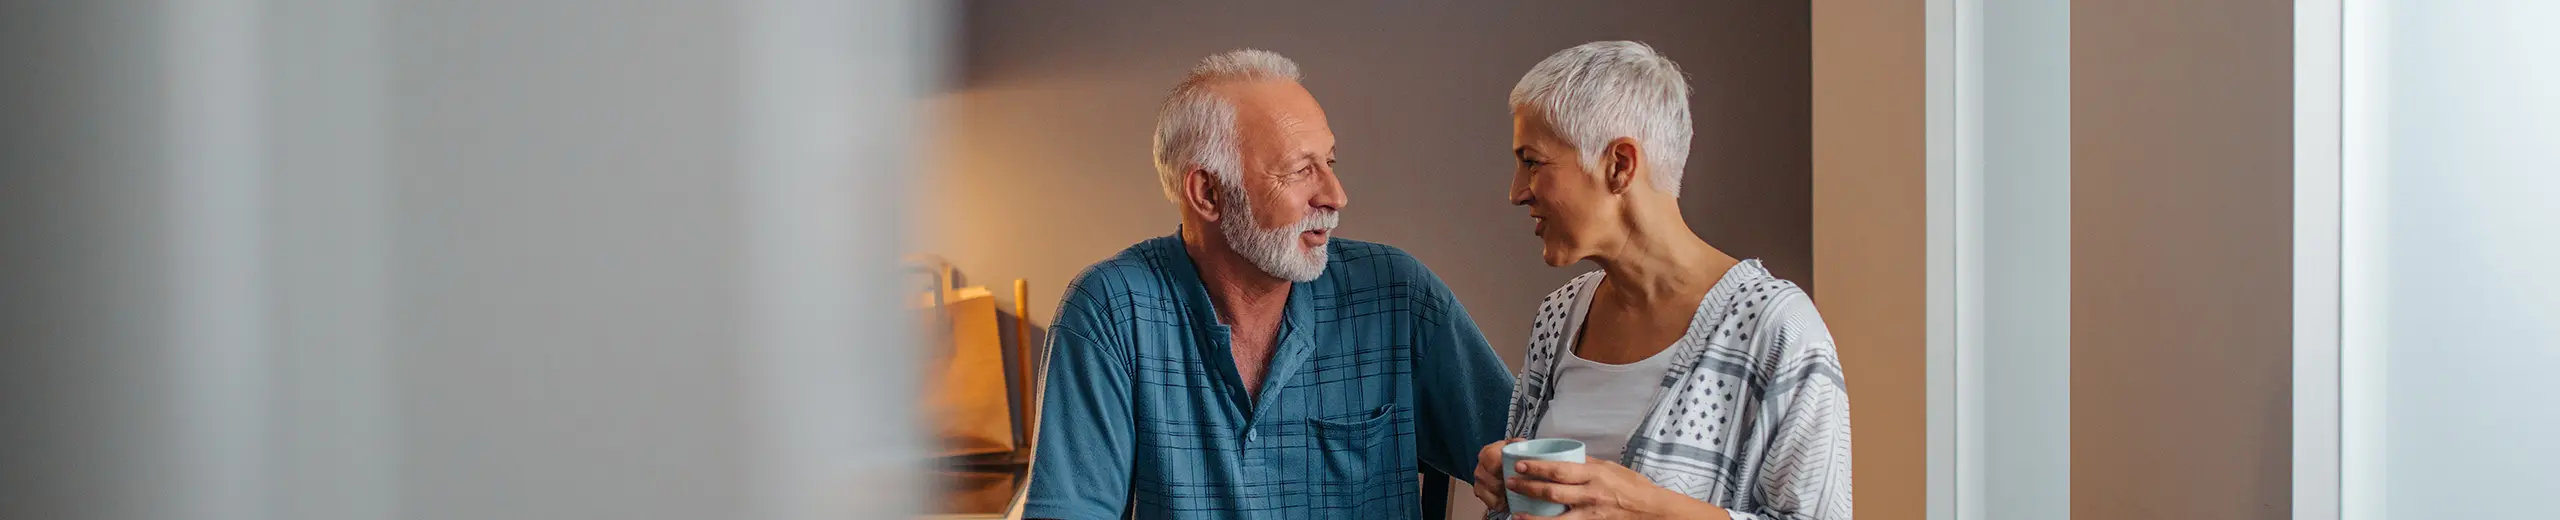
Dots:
{"x": 2025, "y": 272}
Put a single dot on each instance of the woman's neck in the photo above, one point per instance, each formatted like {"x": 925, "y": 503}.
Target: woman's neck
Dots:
{"x": 1662, "y": 262}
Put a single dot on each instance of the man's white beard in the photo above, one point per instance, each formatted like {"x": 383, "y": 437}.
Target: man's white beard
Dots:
{"x": 1276, "y": 251}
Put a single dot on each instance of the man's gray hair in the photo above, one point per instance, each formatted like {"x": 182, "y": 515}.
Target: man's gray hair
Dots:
{"x": 1599, "y": 91}
{"x": 1197, "y": 127}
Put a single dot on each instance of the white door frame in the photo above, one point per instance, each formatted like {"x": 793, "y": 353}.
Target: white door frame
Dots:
{"x": 2318, "y": 32}
{"x": 1954, "y": 257}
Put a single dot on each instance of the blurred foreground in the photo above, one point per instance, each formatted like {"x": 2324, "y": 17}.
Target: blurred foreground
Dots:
{"x": 374, "y": 259}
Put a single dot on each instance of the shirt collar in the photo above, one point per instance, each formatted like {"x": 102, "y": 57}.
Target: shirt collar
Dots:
{"x": 1287, "y": 350}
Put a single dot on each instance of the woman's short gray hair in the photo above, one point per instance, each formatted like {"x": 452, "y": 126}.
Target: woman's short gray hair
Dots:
{"x": 1599, "y": 91}
{"x": 1197, "y": 127}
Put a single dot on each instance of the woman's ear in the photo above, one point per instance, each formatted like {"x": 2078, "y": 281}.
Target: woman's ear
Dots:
{"x": 1200, "y": 194}
{"x": 1618, "y": 163}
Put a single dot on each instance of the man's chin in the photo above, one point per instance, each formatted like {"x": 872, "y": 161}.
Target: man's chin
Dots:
{"x": 1315, "y": 261}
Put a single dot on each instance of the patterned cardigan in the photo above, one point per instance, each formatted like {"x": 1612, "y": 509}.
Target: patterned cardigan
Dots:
{"x": 1752, "y": 416}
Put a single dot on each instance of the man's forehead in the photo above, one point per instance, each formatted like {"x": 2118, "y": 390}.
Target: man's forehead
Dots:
{"x": 1281, "y": 113}
{"x": 1274, "y": 100}
{"x": 1276, "y": 93}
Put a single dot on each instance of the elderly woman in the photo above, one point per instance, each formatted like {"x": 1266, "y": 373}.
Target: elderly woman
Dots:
{"x": 1702, "y": 386}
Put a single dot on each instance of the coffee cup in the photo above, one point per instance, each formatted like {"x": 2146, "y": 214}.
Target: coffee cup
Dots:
{"x": 1558, "y": 450}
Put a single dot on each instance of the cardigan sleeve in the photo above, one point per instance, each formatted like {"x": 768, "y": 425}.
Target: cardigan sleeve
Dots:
{"x": 1805, "y": 474}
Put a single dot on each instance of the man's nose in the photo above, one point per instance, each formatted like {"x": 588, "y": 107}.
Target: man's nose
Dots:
{"x": 1331, "y": 196}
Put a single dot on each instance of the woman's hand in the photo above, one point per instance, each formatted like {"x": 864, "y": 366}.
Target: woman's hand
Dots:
{"x": 1603, "y": 490}
{"x": 1489, "y": 475}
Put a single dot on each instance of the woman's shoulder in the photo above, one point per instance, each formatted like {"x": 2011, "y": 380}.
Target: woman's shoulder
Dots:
{"x": 1754, "y": 286}
{"x": 1555, "y": 312}
{"x": 1775, "y": 306}
{"x": 1572, "y": 289}
{"x": 1559, "y": 303}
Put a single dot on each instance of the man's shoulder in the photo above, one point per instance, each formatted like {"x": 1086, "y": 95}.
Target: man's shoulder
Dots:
{"x": 1133, "y": 272}
{"x": 1371, "y": 262}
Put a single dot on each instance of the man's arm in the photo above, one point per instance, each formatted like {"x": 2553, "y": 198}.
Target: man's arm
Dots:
{"x": 1080, "y": 465}
{"x": 1463, "y": 388}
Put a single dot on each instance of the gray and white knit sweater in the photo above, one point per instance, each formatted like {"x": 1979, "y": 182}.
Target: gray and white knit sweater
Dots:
{"x": 1753, "y": 415}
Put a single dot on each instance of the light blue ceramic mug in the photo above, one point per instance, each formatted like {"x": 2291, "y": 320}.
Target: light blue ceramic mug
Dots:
{"x": 1560, "y": 450}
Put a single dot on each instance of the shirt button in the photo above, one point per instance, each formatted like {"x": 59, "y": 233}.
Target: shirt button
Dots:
{"x": 1251, "y": 436}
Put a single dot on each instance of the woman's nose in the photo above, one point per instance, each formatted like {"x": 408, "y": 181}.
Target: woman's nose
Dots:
{"x": 1519, "y": 190}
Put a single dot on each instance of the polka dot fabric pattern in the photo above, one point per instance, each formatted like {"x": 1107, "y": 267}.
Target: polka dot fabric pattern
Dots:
{"x": 1753, "y": 415}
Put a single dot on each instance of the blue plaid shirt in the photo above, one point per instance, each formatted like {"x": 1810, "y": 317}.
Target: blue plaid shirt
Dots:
{"x": 1145, "y": 416}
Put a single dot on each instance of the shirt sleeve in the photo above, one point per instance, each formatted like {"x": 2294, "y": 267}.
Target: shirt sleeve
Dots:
{"x": 1080, "y": 466}
{"x": 1805, "y": 475}
{"x": 1463, "y": 389}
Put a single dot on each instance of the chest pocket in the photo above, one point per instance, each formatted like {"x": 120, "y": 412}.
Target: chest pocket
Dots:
{"x": 1354, "y": 449}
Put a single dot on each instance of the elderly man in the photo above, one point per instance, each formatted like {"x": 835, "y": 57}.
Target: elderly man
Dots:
{"x": 1250, "y": 365}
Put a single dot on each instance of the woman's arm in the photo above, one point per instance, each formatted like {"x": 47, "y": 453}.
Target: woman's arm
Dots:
{"x": 1805, "y": 475}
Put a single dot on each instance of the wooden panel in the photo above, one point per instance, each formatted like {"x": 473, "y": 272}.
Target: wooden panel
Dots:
{"x": 1869, "y": 236}
{"x": 2181, "y": 251}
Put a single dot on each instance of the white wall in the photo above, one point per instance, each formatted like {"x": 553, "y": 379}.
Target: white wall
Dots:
{"x": 2452, "y": 329}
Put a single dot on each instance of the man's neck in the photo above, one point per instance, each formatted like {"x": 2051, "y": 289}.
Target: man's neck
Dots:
{"x": 1243, "y": 294}
{"x": 1248, "y": 300}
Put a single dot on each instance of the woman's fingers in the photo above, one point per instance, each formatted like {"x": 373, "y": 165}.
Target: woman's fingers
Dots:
{"x": 1567, "y": 494}
{"x": 1488, "y": 486}
{"x": 1488, "y": 481}
{"x": 1491, "y": 454}
{"x": 1554, "y": 471}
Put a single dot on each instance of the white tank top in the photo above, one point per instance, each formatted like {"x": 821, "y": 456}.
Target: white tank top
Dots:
{"x": 1599, "y": 403}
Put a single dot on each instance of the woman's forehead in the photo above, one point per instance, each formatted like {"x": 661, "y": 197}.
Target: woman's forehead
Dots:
{"x": 1530, "y": 130}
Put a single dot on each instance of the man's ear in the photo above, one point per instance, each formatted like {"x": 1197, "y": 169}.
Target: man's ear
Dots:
{"x": 1200, "y": 194}
{"x": 1618, "y": 162}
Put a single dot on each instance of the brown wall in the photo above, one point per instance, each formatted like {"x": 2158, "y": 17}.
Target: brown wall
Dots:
{"x": 1045, "y": 167}
{"x": 2181, "y": 216}
{"x": 1869, "y": 236}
